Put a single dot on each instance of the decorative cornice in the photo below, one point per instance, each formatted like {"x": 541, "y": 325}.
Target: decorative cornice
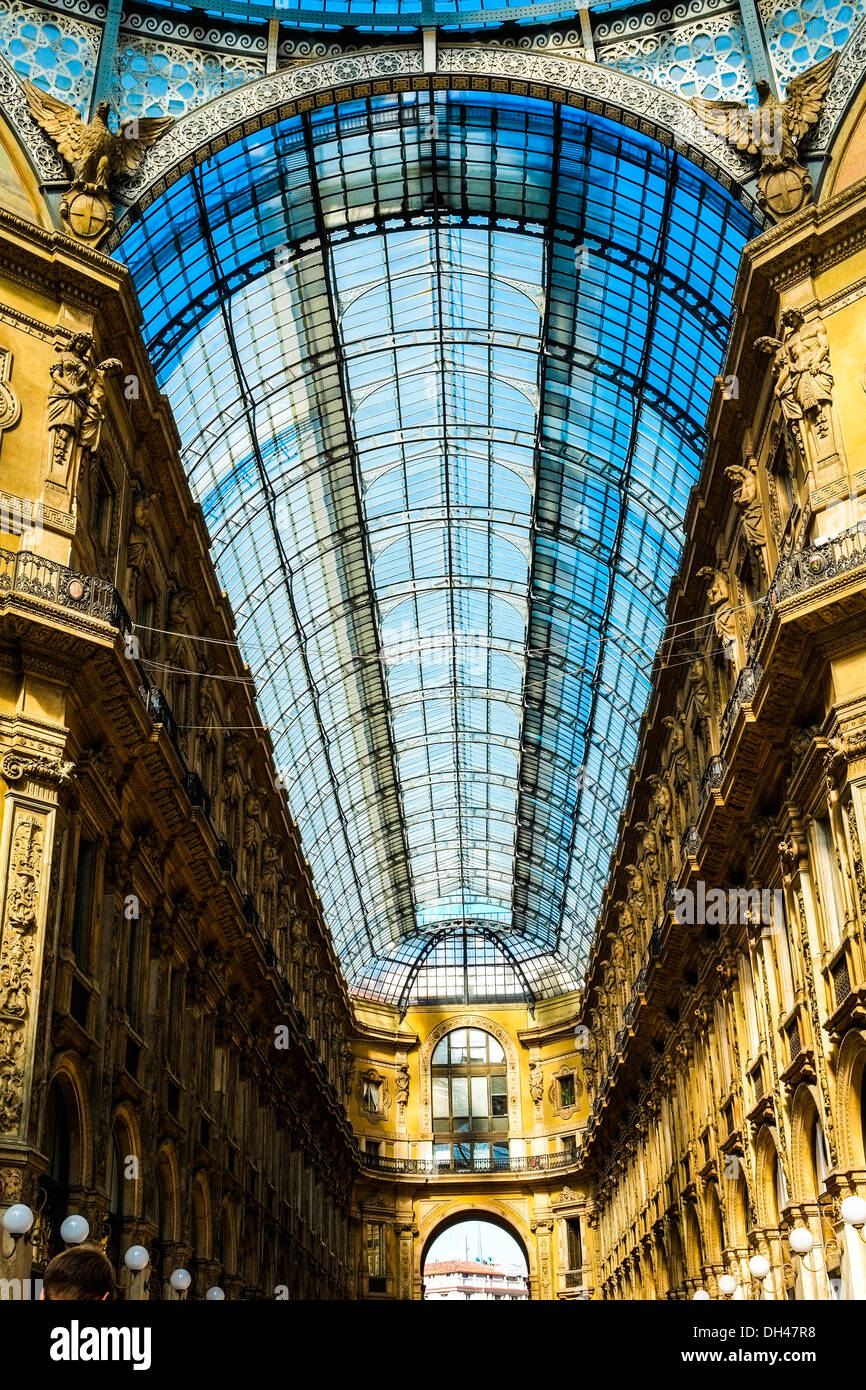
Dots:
{"x": 483, "y": 67}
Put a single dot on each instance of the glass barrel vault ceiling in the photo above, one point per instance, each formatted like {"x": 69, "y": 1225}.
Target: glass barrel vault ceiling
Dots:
{"x": 440, "y": 366}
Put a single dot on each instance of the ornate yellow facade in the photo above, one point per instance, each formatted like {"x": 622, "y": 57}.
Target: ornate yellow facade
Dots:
{"x": 171, "y": 1012}
{"x": 180, "y": 1058}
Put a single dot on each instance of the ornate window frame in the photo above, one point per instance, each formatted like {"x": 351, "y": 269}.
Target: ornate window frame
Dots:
{"x": 565, "y": 1111}
{"x": 487, "y": 1025}
{"x": 375, "y": 1117}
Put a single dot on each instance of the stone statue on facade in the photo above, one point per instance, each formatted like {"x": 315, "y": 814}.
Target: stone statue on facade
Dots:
{"x": 76, "y": 400}
{"x": 748, "y": 503}
{"x": 719, "y": 596}
{"x": 803, "y": 384}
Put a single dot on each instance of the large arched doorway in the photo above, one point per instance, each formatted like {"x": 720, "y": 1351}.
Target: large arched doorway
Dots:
{"x": 474, "y": 1257}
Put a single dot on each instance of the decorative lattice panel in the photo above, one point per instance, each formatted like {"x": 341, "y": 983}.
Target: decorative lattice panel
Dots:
{"x": 800, "y": 35}
{"x": 705, "y": 59}
{"x": 56, "y": 51}
{"x": 162, "y": 79}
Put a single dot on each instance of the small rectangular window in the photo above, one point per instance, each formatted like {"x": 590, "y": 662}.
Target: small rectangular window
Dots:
{"x": 572, "y": 1235}
{"x": 566, "y": 1091}
{"x": 132, "y": 978}
{"x": 82, "y": 911}
{"x": 374, "y": 1244}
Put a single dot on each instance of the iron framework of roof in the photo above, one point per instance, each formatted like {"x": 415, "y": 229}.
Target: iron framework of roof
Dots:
{"x": 440, "y": 365}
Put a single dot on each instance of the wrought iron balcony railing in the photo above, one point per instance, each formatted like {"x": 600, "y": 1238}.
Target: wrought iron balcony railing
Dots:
{"x": 194, "y": 788}
{"x": 713, "y": 777}
{"x": 743, "y": 694}
{"x": 804, "y": 569}
{"x": 690, "y": 842}
{"x": 22, "y": 572}
{"x": 433, "y": 1167}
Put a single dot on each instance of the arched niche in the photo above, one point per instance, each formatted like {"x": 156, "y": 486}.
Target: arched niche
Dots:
{"x": 769, "y": 1180}
{"x": 126, "y": 1133}
{"x": 809, "y": 1163}
{"x": 202, "y": 1212}
{"x": 68, "y": 1086}
{"x": 168, "y": 1186}
{"x": 714, "y": 1230}
{"x": 694, "y": 1249}
{"x": 851, "y": 1102}
{"x": 509, "y": 1047}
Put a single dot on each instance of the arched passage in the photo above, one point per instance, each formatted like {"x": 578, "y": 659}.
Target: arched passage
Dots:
{"x": 481, "y": 1239}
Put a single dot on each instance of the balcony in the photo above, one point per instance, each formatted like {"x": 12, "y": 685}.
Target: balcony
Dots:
{"x": 22, "y": 572}
{"x": 744, "y": 692}
{"x": 848, "y": 994}
{"x": 429, "y": 1167}
{"x": 196, "y": 794}
{"x": 802, "y": 570}
{"x": 712, "y": 779}
{"x": 690, "y": 842}
{"x": 159, "y": 710}
{"x": 226, "y": 858}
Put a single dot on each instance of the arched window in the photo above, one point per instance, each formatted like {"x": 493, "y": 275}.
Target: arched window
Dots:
{"x": 115, "y": 1201}
{"x": 56, "y": 1180}
{"x": 470, "y": 1101}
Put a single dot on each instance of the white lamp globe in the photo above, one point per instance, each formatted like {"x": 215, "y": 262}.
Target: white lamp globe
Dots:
{"x": 727, "y": 1284}
{"x": 74, "y": 1230}
{"x": 180, "y": 1280}
{"x": 214, "y": 1294}
{"x": 854, "y": 1211}
{"x": 759, "y": 1266}
{"x": 700, "y": 1295}
{"x": 136, "y": 1257}
{"x": 17, "y": 1219}
{"x": 801, "y": 1240}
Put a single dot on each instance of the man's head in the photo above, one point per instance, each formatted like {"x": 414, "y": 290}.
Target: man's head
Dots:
{"x": 82, "y": 1271}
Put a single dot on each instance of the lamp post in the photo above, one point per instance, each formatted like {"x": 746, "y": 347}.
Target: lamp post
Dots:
{"x": 18, "y": 1224}
{"x": 727, "y": 1285}
{"x": 759, "y": 1268}
{"x": 75, "y": 1230}
{"x": 852, "y": 1211}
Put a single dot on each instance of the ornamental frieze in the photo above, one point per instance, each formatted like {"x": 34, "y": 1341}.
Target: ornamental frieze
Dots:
{"x": 563, "y": 79}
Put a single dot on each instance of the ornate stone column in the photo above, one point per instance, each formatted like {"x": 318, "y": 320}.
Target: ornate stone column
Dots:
{"x": 28, "y": 882}
{"x": 542, "y": 1230}
{"x": 406, "y": 1234}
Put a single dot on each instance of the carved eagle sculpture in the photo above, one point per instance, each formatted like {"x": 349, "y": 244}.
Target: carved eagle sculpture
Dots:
{"x": 774, "y": 130}
{"x": 92, "y": 150}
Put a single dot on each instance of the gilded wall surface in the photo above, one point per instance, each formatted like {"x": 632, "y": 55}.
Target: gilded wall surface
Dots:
{"x": 173, "y": 1024}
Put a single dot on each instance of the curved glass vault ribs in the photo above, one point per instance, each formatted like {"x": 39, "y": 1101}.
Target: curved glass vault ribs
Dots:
{"x": 440, "y": 367}
{"x": 393, "y": 15}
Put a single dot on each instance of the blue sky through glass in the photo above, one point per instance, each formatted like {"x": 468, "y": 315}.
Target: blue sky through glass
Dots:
{"x": 440, "y": 368}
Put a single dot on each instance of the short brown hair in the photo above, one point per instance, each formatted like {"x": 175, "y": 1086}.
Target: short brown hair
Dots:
{"x": 82, "y": 1271}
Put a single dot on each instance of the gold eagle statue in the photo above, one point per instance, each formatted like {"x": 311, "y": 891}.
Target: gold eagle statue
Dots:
{"x": 93, "y": 150}
{"x": 775, "y": 130}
